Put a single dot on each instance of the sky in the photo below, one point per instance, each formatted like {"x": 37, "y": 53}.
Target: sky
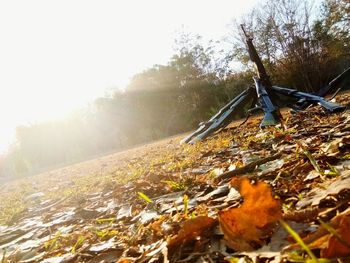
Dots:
{"x": 57, "y": 56}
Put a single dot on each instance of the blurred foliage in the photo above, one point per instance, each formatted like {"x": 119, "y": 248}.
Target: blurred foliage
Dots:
{"x": 299, "y": 51}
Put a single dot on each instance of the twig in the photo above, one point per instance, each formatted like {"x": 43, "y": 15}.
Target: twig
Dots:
{"x": 248, "y": 168}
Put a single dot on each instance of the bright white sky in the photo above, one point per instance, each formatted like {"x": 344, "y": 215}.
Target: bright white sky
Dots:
{"x": 56, "y": 56}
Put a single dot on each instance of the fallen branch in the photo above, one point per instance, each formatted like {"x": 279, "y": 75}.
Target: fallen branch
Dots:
{"x": 248, "y": 168}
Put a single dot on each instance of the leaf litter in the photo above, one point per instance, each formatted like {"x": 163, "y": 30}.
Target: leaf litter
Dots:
{"x": 221, "y": 200}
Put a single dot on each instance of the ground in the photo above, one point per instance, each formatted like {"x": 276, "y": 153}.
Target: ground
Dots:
{"x": 244, "y": 195}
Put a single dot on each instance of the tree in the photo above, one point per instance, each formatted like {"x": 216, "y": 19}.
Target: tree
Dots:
{"x": 296, "y": 49}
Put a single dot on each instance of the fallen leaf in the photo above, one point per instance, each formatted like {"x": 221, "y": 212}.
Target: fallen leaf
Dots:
{"x": 332, "y": 148}
{"x": 328, "y": 188}
{"x": 125, "y": 260}
{"x": 271, "y": 166}
{"x": 103, "y": 246}
{"x": 312, "y": 175}
{"x": 303, "y": 215}
{"x": 339, "y": 246}
{"x": 192, "y": 228}
{"x": 333, "y": 239}
{"x": 219, "y": 191}
{"x": 246, "y": 226}
{"x": 107, "y": 257}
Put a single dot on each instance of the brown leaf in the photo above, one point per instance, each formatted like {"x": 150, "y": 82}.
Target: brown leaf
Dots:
{"x": 328, "y": 188}
{"x": 191, "y": 229}
{"x": 330, "y": 245}
{"x": 249, "y": 224}
{"x": 339, "y": 246}
{"x": 125, "y": 260}
{"x": 304, "y": 215}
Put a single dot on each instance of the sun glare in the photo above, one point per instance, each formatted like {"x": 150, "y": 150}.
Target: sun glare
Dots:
{"x": 57, "y": 56}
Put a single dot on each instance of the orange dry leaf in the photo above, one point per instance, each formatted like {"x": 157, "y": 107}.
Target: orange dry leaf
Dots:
{"x": 125, "y": 260}
{"x": 246, "y": 226}
{"x": 339, "y": 246}
{"x": 191, "y": 229}
{"x": 332, "y": 246}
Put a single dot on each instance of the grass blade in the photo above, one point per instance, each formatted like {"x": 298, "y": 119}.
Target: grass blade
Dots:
{"x": 145, "y": 197}
{"x": 299, "y": 240}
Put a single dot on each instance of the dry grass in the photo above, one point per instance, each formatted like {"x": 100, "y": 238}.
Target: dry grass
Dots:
{"x": 75, "y": 181}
